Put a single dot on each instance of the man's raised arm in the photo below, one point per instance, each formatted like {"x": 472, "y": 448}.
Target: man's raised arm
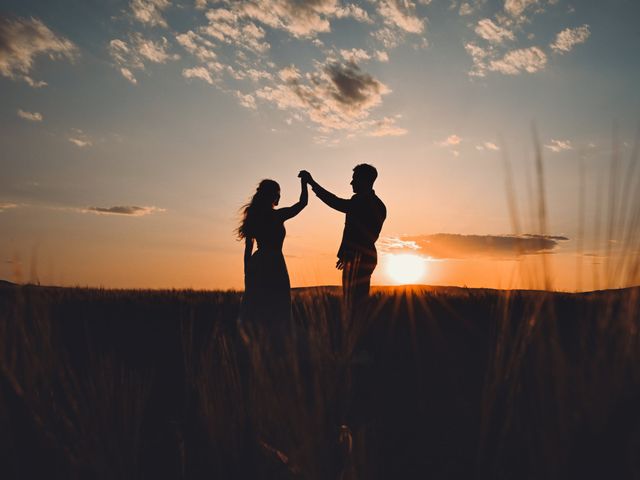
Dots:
{"x": 335, "y": 202}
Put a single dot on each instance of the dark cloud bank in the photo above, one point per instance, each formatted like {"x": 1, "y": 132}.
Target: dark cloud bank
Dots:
{"x": 451, "y": 245}
{"x": 124, "y": 210}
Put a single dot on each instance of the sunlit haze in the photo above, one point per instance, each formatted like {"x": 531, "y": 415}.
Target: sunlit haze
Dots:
{"x": 132, "y": 132}
{"x": 405, "y": 268}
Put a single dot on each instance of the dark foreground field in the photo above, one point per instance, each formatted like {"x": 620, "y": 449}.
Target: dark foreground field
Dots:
{"x": 433, "y": 383}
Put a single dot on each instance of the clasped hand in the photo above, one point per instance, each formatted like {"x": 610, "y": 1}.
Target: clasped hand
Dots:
{"x": 305, "y": 176}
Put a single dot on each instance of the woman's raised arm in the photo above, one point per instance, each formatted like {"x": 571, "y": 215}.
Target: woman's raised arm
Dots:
{"x": 289, "y": 212}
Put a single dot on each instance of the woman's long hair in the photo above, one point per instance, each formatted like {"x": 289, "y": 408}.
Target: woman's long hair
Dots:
{"x": 254, "y": 212}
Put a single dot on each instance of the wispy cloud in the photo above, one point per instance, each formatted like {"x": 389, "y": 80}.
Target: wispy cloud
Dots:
{"x": 389, "y": 38}
{"x": 79, "y": 142}
{"x": 353, "y": 11}
{"x": 79, "y": 138}
{"x": 131, "y": 55}
{"x": 382, "y": 56}
{"x": 493, "y": 51}
{"x": 559, "y": 145}
{"x": 450, "y": 141}
{"x": 298, "y": 19}
{"x": 128, "y": 74}
{"x": 517, "y": 8}
{"x": 570, "y": 37}
{"x": 488, "y": 146}
{"x": 155, "y": 52}
{"x": 336, "y": 96}
{"x": 492, "y": 32}
{"x": 468, "y": 7}
{"x": 479, "y": 56}
{"x": 31, "y": 116}
{"x": 465, "y": 9}
{"x": 198, "y": 46}
{"x": 395, "y": 244}
{"x": 127, "y": 210}
{"x": 231, "y": 27}
{"x": 401, "y": 14}
{"x": 256, "y": 75}
{"x": 515, "y": 62}
{"x": 198, "y": 72}
{"x": 149, "y": 12}
{"x": 24, "y": 39}
{"x": 126, "y": 58}
{"x": 4, "y": 206}
{"x": 456, "y": 246}
{"x": 355, "y": 55}
{"x": 246, "y": 100}
{"x": 386, "y": 128}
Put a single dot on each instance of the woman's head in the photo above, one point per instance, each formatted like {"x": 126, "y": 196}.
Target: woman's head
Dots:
{"x": 267, "y": 193}
{"x": 266, "y": 197}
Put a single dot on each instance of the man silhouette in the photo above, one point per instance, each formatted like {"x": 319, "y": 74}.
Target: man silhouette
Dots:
{"x": 365, "y": 214}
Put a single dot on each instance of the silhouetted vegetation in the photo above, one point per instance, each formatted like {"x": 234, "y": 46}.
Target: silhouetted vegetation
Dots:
{"x": 433, "y": 383}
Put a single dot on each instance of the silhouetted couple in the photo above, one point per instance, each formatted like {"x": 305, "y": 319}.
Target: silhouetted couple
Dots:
{"x": 267, "y": 289}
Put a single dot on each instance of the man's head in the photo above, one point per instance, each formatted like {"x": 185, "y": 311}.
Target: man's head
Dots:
{"x": 363, "y": 177}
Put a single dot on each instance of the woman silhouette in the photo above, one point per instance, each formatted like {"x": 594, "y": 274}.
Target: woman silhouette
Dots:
{"x": 267, "y": 293}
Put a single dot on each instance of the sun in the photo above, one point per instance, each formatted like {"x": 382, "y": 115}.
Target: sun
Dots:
{"x": 405, "y": 268}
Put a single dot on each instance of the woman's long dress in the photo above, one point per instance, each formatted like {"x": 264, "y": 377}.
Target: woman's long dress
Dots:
{"x": 267, "y": 296}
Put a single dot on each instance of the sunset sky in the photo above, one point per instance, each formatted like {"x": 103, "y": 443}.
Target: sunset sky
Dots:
{"x": 131, "y": 133}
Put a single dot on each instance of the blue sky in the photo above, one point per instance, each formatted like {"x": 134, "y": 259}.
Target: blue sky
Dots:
{"x": 173, "y": 111}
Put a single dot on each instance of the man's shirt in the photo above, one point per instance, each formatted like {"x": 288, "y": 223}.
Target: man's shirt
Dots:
{"x": 365, "y": 214}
